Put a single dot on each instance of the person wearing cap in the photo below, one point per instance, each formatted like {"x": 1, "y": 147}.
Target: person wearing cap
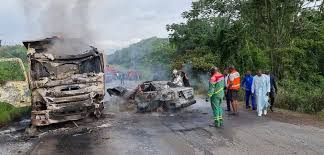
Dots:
{"x": 261, "y": 90}
{"x": 216, "y": 95}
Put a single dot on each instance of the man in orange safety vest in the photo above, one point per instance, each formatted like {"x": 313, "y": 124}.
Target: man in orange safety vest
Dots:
{"x": 234, "y": 83}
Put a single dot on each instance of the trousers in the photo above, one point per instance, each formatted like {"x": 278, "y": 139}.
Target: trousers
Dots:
{"x": 272, "y": 99}
{"x": 248, "y": 95}
{"x": 217, "y": 110}
{"x": 228, "y": 101}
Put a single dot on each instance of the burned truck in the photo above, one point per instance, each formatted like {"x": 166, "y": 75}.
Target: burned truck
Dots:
{"x": 153, "y": 95}
{"x": 66, "y": 79}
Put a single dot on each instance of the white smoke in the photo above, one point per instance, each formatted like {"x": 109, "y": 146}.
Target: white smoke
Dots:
{"x": 65, "y": 18}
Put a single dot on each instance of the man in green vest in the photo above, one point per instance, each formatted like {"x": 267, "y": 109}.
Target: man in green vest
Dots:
{"x": 216, "y": 95}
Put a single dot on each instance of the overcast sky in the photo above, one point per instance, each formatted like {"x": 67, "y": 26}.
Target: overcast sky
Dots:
{"x": 115, "y": 23}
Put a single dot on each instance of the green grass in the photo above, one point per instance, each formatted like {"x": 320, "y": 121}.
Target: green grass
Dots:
{"x": 9, "y": 113}
{"x": 11, "y": 71}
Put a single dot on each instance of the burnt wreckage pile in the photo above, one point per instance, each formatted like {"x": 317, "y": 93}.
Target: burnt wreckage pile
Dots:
{"x": 151, "y": 95}
{"x": 64, "y": 86}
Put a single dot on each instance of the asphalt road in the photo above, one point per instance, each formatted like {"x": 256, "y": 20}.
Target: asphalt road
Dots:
{"x": 184, "y": 133}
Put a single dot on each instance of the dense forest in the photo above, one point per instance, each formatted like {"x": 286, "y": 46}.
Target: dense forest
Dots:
{"x": 285, "y": 37}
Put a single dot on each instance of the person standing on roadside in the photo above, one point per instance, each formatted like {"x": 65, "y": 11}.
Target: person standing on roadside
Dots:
{"x": 122, "y": 78}
{"x": 246, "y": 85}
{"x": 234, "y": 83}
{"x": 185, "y": 78}
{"x": 273, "y": 90}
{"x": 184, "y": 75}
{"x": 260, "y": 90}
{"x": 216, "y": 95}
{"x": 228, "y": 100}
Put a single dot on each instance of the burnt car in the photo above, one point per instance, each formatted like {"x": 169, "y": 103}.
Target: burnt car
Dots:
{"x": 151, "y": 95}
{"x": 66, "y": 79}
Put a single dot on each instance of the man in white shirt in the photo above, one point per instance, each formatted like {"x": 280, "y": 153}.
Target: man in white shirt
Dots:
{"x": 228, "y": 100}
{"x": 261, "y": 90}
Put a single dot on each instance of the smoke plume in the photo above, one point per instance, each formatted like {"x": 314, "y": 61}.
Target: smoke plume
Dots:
{"x": 198, "y": 80}
{"x": 61, "y": 17}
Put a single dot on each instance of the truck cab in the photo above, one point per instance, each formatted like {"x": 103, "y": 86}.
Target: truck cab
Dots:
{"x": 66, "y": 79}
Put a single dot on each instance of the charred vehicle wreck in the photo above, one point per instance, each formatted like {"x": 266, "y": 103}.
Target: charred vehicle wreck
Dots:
{"x": 66, "y": 80}
{"x": 152, "y": 95}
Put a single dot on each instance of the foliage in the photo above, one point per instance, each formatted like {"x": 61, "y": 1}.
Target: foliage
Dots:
{"x": 148, "y": 56}
{"x": 161, "y": 55}
{"x": 16, "y": 51}
{"x": 9, "y": 112}
{"x": 11, "y": 71}
{"x": 300, "y": 96}
{"x": 133, "y": 56}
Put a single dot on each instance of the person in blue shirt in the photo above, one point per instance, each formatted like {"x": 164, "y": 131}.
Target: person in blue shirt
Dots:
{"x": 247, "y": 84}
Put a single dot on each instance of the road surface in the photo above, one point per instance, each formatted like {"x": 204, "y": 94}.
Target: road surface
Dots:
{"x": 183, "y": 133}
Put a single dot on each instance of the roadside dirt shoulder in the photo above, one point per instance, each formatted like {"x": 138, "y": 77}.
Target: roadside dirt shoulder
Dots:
{"x": 296, "y": 118}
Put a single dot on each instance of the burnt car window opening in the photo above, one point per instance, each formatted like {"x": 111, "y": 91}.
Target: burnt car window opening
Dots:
{"x": 46, "y": 69}
{"x": 91, "y": 66}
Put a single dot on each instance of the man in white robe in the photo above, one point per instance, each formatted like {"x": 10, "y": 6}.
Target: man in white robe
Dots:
{"x": 261, "y": 90}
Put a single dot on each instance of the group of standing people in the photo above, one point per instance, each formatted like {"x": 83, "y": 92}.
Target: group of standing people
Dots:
{"x": 121, "y": 77}
{"x": 261, "y": 88}
{"x": 130, "y": 75}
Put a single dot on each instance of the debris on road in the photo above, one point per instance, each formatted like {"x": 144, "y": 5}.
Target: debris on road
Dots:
{"x": 107, "y": 125}
{"x": 75, "y": 124}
